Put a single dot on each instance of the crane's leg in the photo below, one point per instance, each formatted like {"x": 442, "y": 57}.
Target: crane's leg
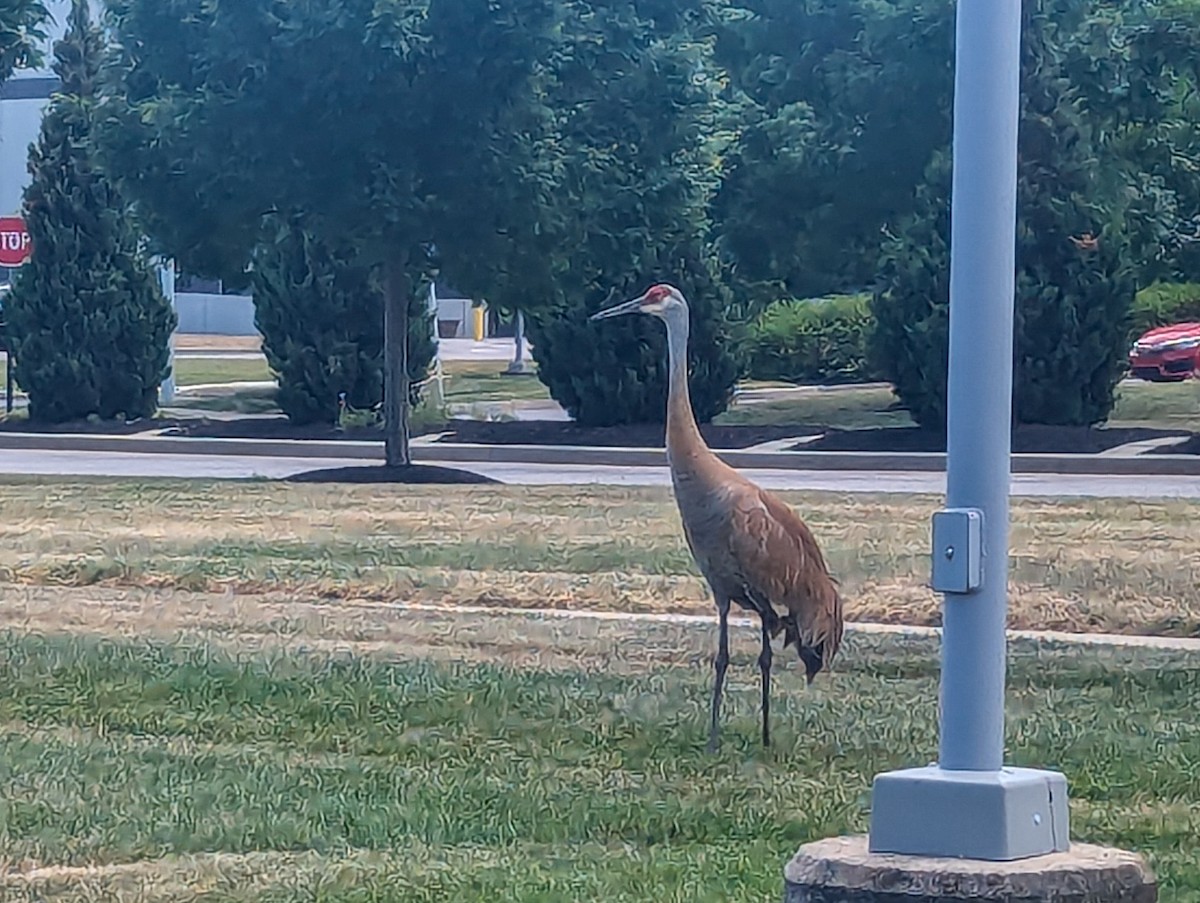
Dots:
{"x": 764, "y": 664}
{"x": 720, "y": 663}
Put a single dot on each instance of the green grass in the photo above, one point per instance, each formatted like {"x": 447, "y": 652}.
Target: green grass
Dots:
{"x": 468, "y": 381}
{"x": 1113, "y": 565}
{"x": 347, "y": 778}
{"x": 199, "y": 371}
{"x": 241, "y": 401}
{"x": 845, "y": 408}
{"x": 465, "y": 382}
{"x": 1160, "y": 405}
{"x": 194, "y": 371}
{"x": 1157, "y": 405}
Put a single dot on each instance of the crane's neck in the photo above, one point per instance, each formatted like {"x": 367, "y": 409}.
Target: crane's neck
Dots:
{"x": 683, "y": 435}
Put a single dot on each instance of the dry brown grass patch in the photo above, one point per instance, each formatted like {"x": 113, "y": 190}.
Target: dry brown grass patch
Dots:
{"x": 1110, "y": 565}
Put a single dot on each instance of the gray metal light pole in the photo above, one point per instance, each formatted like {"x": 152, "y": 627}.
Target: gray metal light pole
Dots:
{"x": 969, "y": 805}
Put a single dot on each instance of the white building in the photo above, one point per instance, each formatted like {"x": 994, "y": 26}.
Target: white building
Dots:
{"x": 22, "y": 99}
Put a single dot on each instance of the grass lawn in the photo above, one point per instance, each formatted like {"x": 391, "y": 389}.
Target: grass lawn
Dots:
{"x": 847, "y": 408}
{"x": 1143, "y": 404}
{"x": 1160, "y": 405}
{"x": 195, "y": 371}
{"x": 465, "y": 381}
{"x": 191, "y": 371}
{"x": 468, "y": 381}
{"x": 341, "y": 754}
{"x": 1090, "y": 565}
{"x": 239, "y": 401}
{"x": 1167, "y": 405}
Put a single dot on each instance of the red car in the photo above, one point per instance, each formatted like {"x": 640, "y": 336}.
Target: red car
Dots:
{"x": 1167, "y": 354}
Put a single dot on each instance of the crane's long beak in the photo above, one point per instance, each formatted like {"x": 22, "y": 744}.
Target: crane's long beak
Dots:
{"x": 625, "y": 307}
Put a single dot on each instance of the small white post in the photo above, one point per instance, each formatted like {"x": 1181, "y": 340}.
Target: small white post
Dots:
{"x": 166, "y": 276}
{"x": 517, "y": 367}
{"x": 439, "y": 393}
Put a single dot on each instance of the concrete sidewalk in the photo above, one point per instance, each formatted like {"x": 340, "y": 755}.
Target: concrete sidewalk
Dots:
{"x": 1128, "y": 641}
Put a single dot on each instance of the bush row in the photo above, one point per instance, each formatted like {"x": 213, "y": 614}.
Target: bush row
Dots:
{"x": 1163, "y": 304}
{"x": 828, "y": 340}
{"x": 821, "y": 340}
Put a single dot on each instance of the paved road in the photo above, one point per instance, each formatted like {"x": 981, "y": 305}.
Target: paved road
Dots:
{"x": 66, "y": 463}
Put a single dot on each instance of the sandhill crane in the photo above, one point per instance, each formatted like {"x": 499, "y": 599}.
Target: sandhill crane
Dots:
{"x": 752, "y": 549}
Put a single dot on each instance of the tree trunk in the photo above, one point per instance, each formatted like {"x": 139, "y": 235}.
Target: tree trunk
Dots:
{"x": 395, "y": 362}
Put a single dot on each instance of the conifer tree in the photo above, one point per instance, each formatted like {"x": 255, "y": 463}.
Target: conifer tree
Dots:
{"x": 1078, "y": 214}
{"x": 637, "y": 106}
{"x": 319, "y": 308}
{"x": 88, "y": 321}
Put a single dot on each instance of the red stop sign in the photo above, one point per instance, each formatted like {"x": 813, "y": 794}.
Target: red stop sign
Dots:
{"x": 15, "y": 246}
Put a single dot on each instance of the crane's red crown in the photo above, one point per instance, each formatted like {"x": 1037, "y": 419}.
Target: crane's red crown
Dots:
{"x": 656, "y": 293}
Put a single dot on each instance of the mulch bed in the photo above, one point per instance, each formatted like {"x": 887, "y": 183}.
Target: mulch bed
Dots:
{"x": 414, "y": 474}
{"x": 1026, "y": 439}
{"x": 546, "y": 432}
{"x": 472, "y": 432}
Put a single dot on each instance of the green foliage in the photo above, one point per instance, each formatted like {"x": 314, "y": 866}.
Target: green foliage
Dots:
{"x": 819, "y": 340}
{"x": 21, "y": 28}
{"x": 1072, "y": 298}
{"x": 88, "y": 323}
{"x": 830, "y": 143}
{"x": 911, "y": 304}
{"x": 618, "y": 373}
{"x": 1163, "y": 304}
{"x": 636, "y": 107}
{"x": 319, "y": 308}
{"x": 1137, "y": 68}
{"x": 463, "y": 775}
{"x": 390, "y": 124}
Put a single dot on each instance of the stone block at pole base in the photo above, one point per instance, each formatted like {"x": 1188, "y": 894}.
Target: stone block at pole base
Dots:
{"x": 843, "y": 870}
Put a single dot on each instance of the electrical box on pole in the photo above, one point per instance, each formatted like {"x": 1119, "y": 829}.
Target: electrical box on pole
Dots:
{"x": 957, "y": 551}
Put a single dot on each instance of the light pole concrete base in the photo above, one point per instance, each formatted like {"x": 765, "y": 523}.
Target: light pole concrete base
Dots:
{"x": 1012, "y": 813}
{"x": 843, "y": 870}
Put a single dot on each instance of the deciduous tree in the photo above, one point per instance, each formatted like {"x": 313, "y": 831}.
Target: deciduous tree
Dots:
{"x": 22, "y": 26}
{"x": 386, "y": 123}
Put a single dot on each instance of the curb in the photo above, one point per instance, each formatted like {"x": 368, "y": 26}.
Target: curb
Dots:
{"x": 899, "y": 462}
{"x": 866, "y": 628}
